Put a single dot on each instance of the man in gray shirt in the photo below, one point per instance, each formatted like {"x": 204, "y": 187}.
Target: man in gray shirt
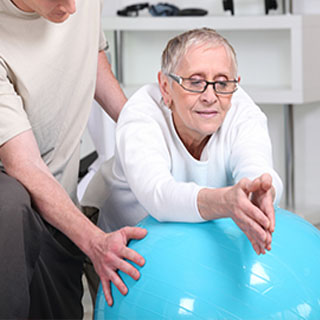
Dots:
{"x": 52, "y": 65}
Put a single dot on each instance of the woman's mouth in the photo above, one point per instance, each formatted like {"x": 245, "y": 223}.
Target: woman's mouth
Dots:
{"x": 207, "y": 113}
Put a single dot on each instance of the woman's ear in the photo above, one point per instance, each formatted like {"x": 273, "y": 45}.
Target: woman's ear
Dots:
{"x": 165, "y": 88}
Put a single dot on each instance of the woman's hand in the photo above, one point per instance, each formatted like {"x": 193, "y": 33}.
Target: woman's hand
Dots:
{"x": 248, "y": 203}
{"x": 253, "y": 210}
{"x": 262, "y": 196}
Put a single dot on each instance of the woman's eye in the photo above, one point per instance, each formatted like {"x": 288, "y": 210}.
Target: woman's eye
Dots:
{"x": 222, "y": 83}
{"x": 196, "y": 82}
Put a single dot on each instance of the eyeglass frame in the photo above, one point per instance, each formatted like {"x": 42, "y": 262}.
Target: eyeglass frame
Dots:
{"x": 179, "y": 80}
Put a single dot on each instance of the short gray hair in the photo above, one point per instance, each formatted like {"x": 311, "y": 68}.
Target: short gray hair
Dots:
{"x": 178, "y": 46}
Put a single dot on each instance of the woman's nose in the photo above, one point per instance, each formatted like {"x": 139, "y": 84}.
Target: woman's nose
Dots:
{"x": 209, "y": 95}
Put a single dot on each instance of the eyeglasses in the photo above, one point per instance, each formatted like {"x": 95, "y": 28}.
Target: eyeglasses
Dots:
{"x": 200, "y": 86}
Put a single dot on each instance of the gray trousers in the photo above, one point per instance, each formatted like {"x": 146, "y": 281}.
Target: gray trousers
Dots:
{"x": 40, "y": 268}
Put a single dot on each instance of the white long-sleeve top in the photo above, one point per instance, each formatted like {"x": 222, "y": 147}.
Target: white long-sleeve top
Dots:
{"x": 153, "y": 173}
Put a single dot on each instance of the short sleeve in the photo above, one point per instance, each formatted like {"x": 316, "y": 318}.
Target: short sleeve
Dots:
{"x": 103, "y": 44}
{"x": 13, "y": 118}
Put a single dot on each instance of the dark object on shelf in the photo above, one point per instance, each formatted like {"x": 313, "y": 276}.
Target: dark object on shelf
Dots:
{"x": 162, "y": 9}
{"x": 132, "y": 10}
{"x": 192, "y": 12}
{"x": 270, "y": 4}
{"x": 228, "y": 5}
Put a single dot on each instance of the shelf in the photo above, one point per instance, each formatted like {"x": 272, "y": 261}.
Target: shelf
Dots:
{"x": 300, "y": 56}
{"x": 217, "y": 22}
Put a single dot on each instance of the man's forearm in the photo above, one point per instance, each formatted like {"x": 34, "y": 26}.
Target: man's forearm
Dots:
{"x": 56, "y": 207}
{"x": 108, "y": 91}
{"x": 21, "y": 159}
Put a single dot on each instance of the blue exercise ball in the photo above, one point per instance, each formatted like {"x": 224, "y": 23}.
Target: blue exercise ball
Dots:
{"x": 210, "y": 271}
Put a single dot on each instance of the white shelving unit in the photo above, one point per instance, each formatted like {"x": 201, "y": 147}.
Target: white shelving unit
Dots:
{"x": 302, "y": 33}
{"x": 293, "y": 41}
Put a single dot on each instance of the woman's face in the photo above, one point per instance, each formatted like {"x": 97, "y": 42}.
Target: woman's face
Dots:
{"x": 52, "y": 10}
{"x": 198, "y": 115}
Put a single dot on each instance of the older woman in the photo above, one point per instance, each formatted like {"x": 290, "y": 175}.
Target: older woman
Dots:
{"x": 192, "y": 148}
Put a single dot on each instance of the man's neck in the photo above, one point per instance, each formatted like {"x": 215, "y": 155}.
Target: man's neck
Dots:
{"x": 21, "y": 5}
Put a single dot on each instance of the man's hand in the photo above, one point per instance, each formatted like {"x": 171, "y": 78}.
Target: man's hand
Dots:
{"x": 109, "y": 252}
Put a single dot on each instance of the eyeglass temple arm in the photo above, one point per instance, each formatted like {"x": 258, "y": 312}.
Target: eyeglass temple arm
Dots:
{"x": 175, "y": 77}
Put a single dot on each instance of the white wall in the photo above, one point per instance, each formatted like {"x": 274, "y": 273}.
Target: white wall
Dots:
{"x": 307, "y": 144}
{"x": 306, "y": 117}
{"x": 306, "y": 6}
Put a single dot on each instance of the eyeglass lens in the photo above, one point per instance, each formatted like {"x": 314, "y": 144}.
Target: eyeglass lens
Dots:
{"x": 201, "y": 85}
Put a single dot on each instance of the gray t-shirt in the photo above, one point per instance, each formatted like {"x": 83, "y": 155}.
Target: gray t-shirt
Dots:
{"x": 47, "y": 81}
